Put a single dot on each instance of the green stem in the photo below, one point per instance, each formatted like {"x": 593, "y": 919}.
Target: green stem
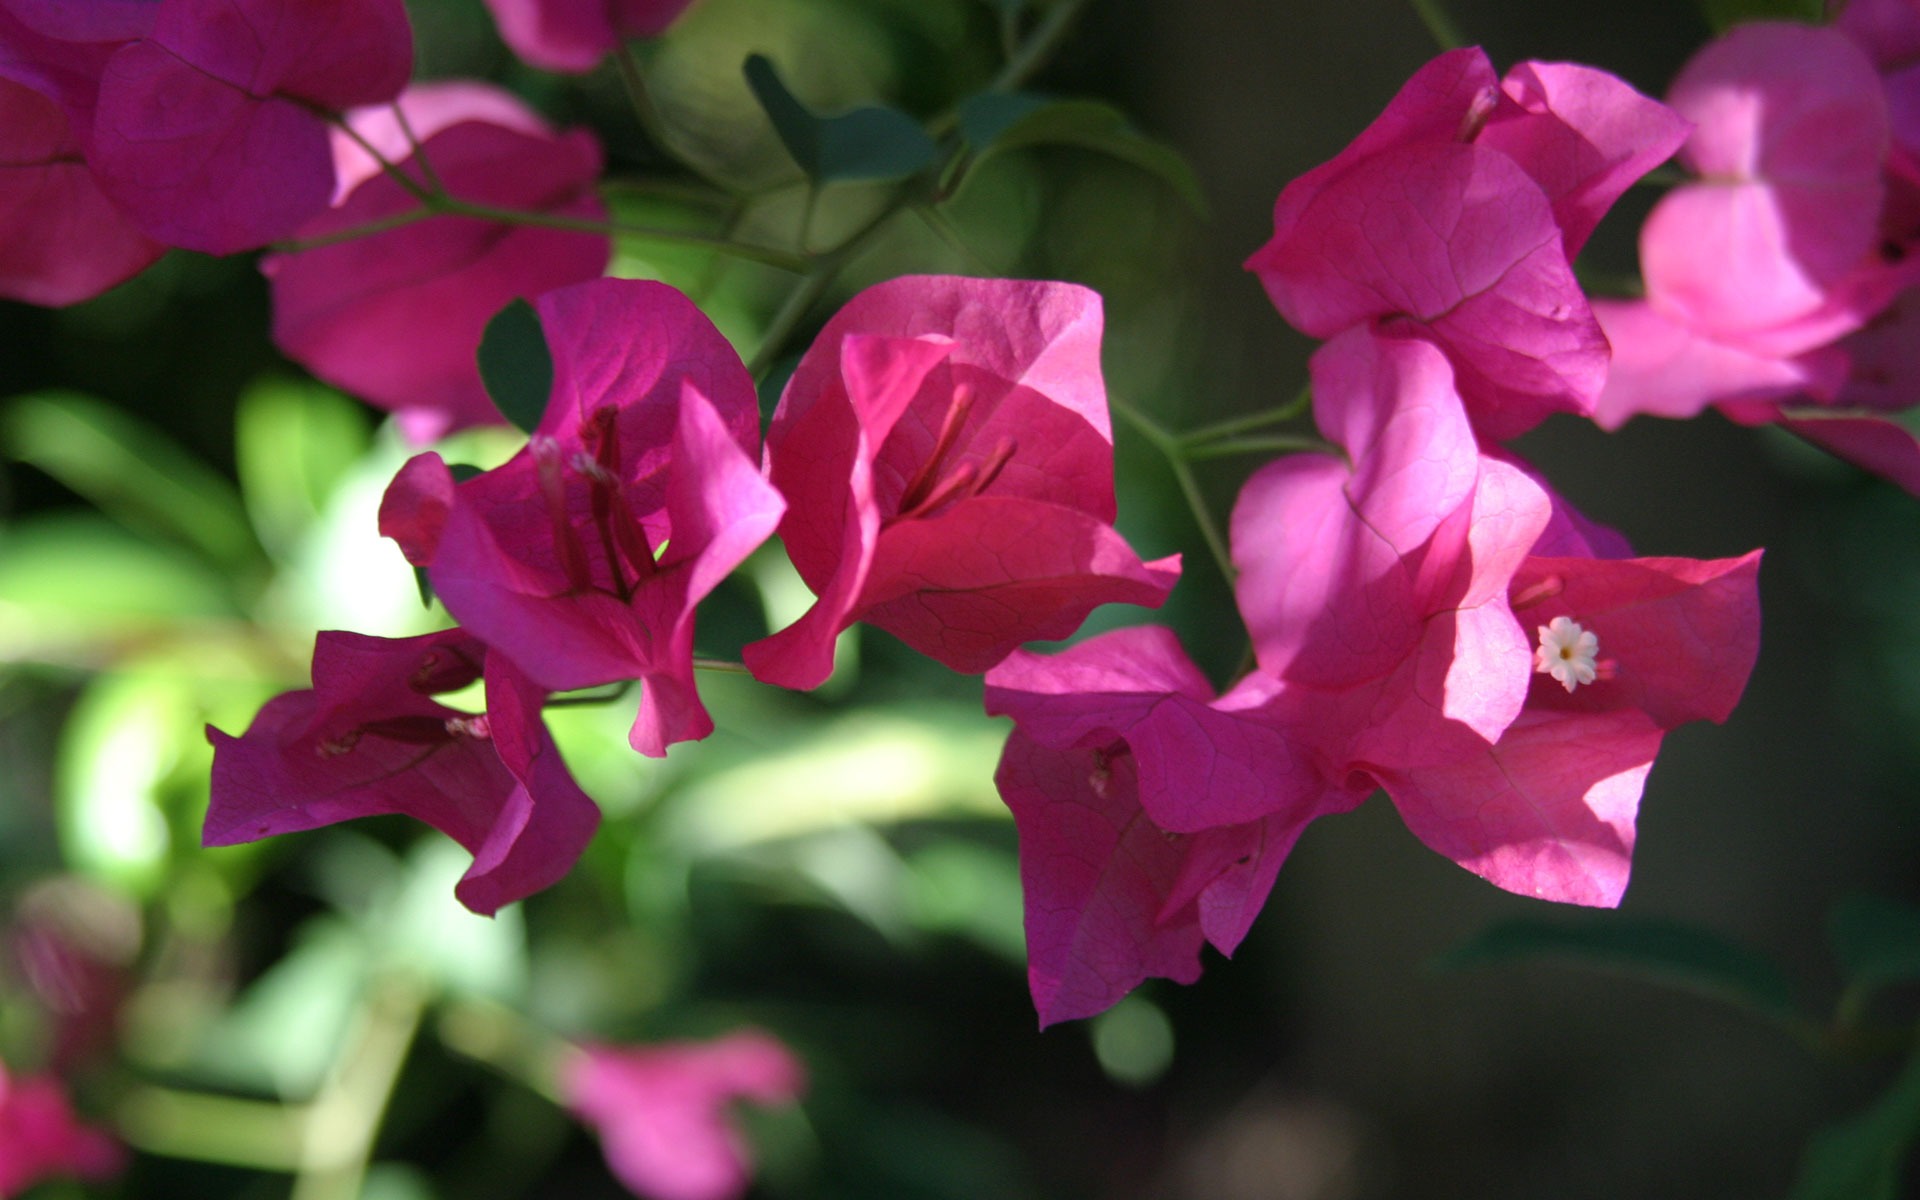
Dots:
{"x": 506, "y": 1041}
{"x": 720, "y": 666}
{"x": 513, "y": 216}
{"x": 938, "y": 222}
{"x": 354, "y": 232}
{"x": 1278, "y": 444}
{"x": 344, "y": 1118}
{"x": 1033, "y": 54}
{"x": 673, "y": 189}
{"x": 427, "y": 173}
{"x": 814, "y": 285}
{"x": 588, "y": 699}
{"x": 1439, "y": 24}
{"x": 1235, "y": 426}
{"x": 257, "y": 1134}
{"x": 413, "y": 187}
{"x": 1169, "y": 446}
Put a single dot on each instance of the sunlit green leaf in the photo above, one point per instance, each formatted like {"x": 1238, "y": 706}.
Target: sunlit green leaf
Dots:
{"x": 870, "y": 144}
{"x": 425, "y": 929}
{"x": 868, "y": 767}
{"x": 287, "y": 1028}
{"x": 992, "y": 122}
{"x": 293, "y": 443}
{"x": 131, "y": 471}
{"x": 1683, "y": 956}
{"x": 516, "y": 364}
{"x": 77, "y": 589}
{"x": 1860, "y": 1158}
{"x": 133, "y": 762}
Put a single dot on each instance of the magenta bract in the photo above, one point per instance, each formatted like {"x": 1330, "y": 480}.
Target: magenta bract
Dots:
{"x": 63, "y": 240}
{"x": 369, "y": 738}
{"x": 1390, "y": 573}
{"x": 209, "y": 131}
{"x": 583, "y": 557}
{"x": 662, "y": 1110}
{"x": 945, "y": 452}
{"x": 1453, "y": 217}
{"x": 574, "y": 35}
{"x": 1101, "y": 774}
{"x": 396, "y": 318}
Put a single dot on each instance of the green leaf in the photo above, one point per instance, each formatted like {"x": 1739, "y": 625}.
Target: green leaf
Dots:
{"x": 992, "y": 122}
{"x": 293, "y": 444}
{"x": 289, "y": 1025}
{"x": 423, "y": 928}
{"x": 1724, "y": 14}
{"x": 872, "y": 144}
{"x": 131, "y": 471}
{"x": 516, "y": 364}
{"x": 76, "y": 589}
{"x": 1682, "y": 956}
{"x": 1877, "y": 942}
{"x": 1859, "y": 1158}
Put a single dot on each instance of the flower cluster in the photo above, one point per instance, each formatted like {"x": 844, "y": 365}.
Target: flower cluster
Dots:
{"x": 1780, "y": 281}
{"x": 1427, "y": 616}
{"x": 940, "y": 466}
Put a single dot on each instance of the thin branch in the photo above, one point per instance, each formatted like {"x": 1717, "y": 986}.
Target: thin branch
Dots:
{"x": 419, "y": 150}
{"x": 1039, "y": 46}
{"x": 413, "y": 186}
{"x": 1276, "y": 444}
{"x": 1439, "y": 24}
{"x": 1169, "y": 446}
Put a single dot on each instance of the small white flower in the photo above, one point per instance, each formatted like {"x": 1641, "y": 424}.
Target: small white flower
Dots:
{"x": 1567, "y": 653}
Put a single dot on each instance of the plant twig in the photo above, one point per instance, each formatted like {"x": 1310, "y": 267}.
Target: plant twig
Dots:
{"x": 1439, "y": 24}
{"x": 1169, "y": 446}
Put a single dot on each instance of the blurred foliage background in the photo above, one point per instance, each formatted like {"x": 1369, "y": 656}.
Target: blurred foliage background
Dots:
{"x": 182, "y": 510}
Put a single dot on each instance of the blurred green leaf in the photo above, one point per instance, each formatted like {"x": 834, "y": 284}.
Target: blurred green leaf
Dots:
{"x": 76, "y": 589}
{"x": 293, "y": 444}
{"x": 1724, "y": 14}
{"x": 1859, "y": 1158}
{"x": 1682, "y": 956}
{"x": 993, "y": 121}
{"x": 959, "y": 887}
{"x": 516, "y": 364}
{"x": 120, "y": 744}
{"x": 131, "y": 471}
{"x": 868, "y": 767}
{"x": 425, "y": 929}
{"x": 872, "y": 144}
{"x": 288, "y": 1026}
{"x": 133, "y": 763}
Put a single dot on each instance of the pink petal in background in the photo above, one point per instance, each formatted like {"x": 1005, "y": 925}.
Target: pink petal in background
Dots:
{"x": 396, "y": 318}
